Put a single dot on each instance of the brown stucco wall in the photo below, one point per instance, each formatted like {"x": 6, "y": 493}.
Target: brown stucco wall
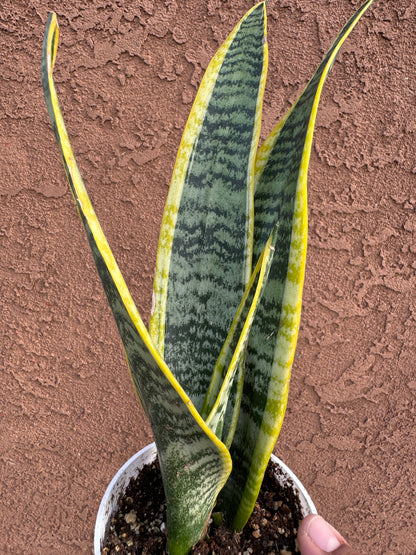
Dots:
{"x": 126, "y": 73}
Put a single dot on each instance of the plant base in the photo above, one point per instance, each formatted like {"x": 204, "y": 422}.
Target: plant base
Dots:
{"x": 137, "y": 524}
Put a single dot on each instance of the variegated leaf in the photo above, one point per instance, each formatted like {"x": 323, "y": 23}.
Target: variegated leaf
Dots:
{"x": 205, "y": 247}
{"x": 280, "y": 197}
{"x": 221, "y": 404}
{"x": 189, "y": 453}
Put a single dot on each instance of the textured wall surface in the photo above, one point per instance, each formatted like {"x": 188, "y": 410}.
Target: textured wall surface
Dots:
{"x": 127, "y": 72}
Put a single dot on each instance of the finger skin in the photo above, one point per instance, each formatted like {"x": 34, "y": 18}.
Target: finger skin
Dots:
{"x": 316, "y": 523}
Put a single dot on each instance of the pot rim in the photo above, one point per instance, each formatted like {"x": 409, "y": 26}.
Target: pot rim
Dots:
{"x": 146, "y": 455}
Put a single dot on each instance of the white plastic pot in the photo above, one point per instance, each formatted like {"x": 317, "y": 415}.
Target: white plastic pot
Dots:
{"x": 131, "y": 468}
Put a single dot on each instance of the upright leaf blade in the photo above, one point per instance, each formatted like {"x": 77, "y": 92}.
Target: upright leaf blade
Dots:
{"x": 194, "y": 463}
{"x": 220, "y": 404}
{"x": 205, "y": 247}
{"x": 281, "y": 197}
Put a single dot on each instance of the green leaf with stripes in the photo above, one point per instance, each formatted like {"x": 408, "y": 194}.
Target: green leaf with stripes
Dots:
{"x": 280, "y": 198}
{"x": 205, "y": 247}
{"x": 194, "y": 463}
{"x": 221, "y": 404}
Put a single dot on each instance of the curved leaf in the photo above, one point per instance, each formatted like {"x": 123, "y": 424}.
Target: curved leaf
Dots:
{"x": 189, "y": 452}
{"x": 205, "y": 246}
{"x": 280, "y": 197}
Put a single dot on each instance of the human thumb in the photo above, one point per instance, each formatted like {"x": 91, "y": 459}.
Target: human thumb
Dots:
{"x": 317, "y": 537}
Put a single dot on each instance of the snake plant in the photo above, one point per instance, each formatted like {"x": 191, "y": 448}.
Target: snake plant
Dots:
{"x": 212, "y": 372}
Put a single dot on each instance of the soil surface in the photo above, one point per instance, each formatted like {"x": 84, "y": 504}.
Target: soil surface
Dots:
{"x": 126, "y": 74}
{"x": 139, "y": 526}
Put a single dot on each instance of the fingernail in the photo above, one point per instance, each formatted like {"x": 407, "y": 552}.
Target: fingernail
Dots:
{"x": 323, "y": 535}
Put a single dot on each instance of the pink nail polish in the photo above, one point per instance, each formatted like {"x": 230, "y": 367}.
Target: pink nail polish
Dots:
{"x": 323, "y": 535}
